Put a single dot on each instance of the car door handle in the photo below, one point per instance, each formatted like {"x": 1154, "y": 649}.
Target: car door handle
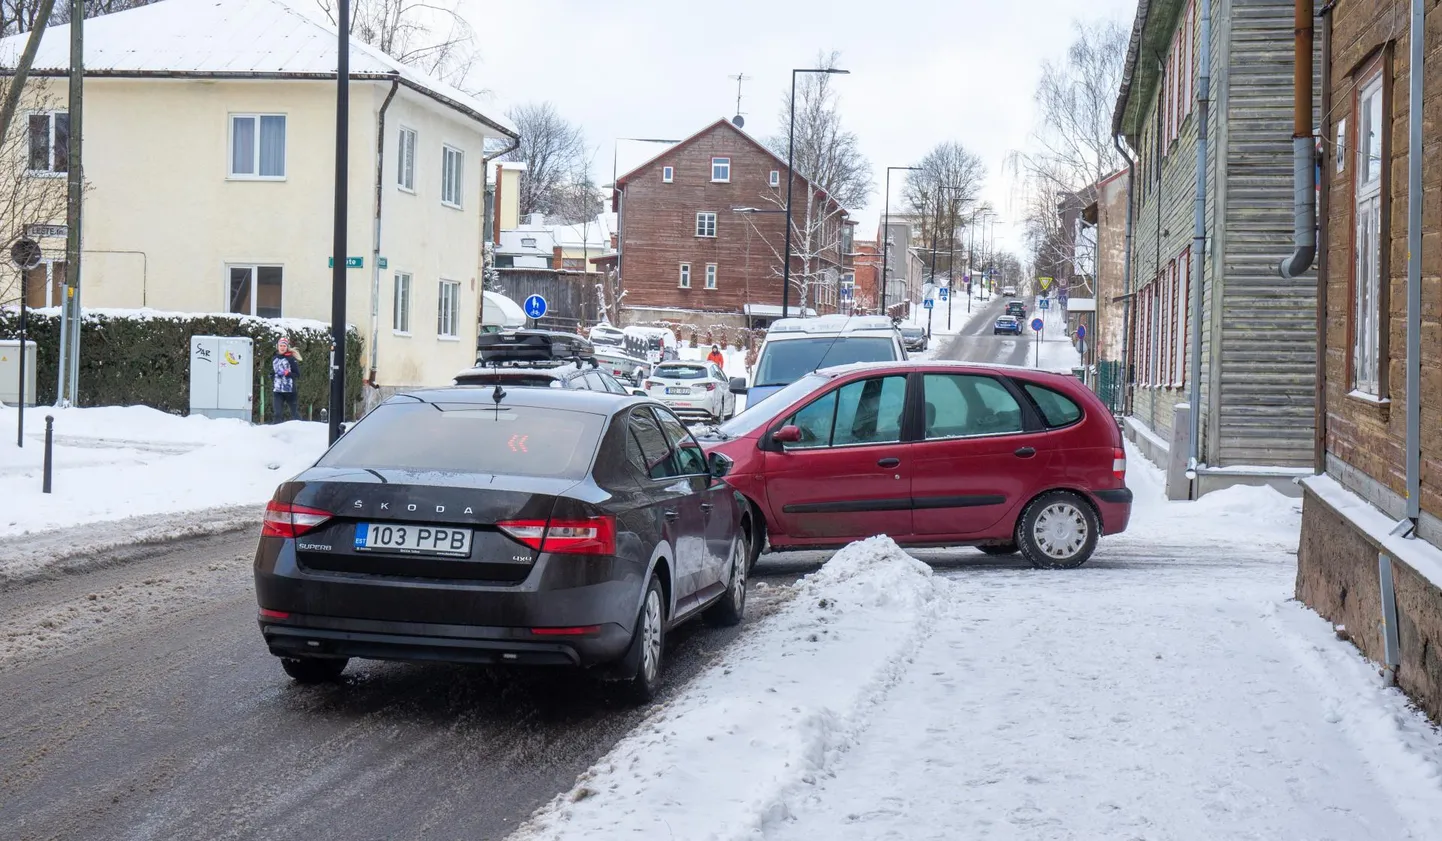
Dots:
{"x": 672, "y": 515}
{"x": 1025, "y": 452}
{"x": 889, "y": 462}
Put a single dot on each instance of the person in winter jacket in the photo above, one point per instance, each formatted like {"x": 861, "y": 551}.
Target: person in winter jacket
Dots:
{"x": 285, "y": 374}
{"x": 716, "y": 357}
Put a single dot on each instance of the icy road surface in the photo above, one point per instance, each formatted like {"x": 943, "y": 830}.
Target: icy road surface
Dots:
{"x": 1168, "y": 690}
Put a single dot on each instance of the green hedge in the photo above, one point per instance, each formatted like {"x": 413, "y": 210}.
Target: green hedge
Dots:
{"x": 136, "y": 359}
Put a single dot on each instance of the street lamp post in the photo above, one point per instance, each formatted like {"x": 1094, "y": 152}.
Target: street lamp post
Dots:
{"x": 886, "y": 230}
{"x": 791, "y": 180}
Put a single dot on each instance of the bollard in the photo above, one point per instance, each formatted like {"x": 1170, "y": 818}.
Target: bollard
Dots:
{"x": 49, "y": 443}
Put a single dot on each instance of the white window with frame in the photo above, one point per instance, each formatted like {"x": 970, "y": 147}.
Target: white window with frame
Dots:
{"x": 45, "y": 284}
{"x": 710, "y": 275}
{"x": 255, "y": 290}
{"x": 775, "y": 179}
{"x": 720, "y": 169}
{"x": 49, "y": 143}
{"x": 448, "y": 310}
{"x": 401, "y": 305}
{"x": 406, "y": 160}
{"x": 684, "y": 280}
{"x": 453, "y": 165}
{"x": 1367, "y": 316}
{"x": 257, "y": 146}
{"x": 706, "y": 224}
{"x": 668, "y": 174}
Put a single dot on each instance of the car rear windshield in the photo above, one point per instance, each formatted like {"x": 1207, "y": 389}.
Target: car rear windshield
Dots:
{"x": 682, "y": 372}
{"x": 911, "y": 332}
{"x": 470, "y": 438}
{"x": 784, "y": 362}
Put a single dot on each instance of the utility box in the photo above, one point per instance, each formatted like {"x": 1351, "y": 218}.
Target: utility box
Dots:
{"x": 222, "y": 377}
{"x": 10, "y": 372}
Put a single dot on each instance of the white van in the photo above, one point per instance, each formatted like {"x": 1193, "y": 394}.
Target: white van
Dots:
{"x": 795, "y": 347}
{"x": 654, "y": 344}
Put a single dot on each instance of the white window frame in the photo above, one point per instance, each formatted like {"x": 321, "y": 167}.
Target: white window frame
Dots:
{"x": 1367, "y": 245}
{"x": 458, "y": 172}
{"x": 706, "y": 222}
{"x": 51, "y": 172}
{"x": 711, "y": 276}
{"x": 668, "y": 174}
{"x": 448, "y": 312}
{"x": 254, "y": 287}
{"x": 683, "y": 279}
{"x": 406, "y": 160}
{"x": 401, "y": 303}
{"x": 775, "y": 179}
{"x": 230, "y": 148}
{"x": 723, "y": 165}
{"x": 51, "y": 296}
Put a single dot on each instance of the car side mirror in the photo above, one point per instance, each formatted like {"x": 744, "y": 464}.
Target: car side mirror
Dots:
{"x": 787, "y": 435}
{"x": 738, "y": 385}
{"x": 636, "y": 392}
{"x": 719, "y": 465}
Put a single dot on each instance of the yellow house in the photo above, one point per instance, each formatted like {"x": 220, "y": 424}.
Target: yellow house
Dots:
{"x": 209, "y": 157}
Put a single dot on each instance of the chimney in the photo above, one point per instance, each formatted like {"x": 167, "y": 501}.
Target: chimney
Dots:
{"x": 557, "y": 257}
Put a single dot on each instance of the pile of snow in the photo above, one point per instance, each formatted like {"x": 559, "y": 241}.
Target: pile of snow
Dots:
{"x": 116, "y": 462}
{"x": 742, "y": 742}
{"x": 151, "y": 314}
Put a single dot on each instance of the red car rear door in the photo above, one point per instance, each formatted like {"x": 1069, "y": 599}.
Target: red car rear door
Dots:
{"x": 850, "y": 475}
{"x": 980, "y": 454}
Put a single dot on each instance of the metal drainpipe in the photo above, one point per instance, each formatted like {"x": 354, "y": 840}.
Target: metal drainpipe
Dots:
{"x": 1319, "y": 420}
{"x": 1199, "y": 243}
{"x": 1304, "y": 155}
{"x": 1415, "y": 69}
{"x": 1126, "y": 378}
{"x": 376, "y": 250}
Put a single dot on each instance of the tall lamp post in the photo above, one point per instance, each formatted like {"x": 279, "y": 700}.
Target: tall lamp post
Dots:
{"x": 886, "y": 230}
{"x": 791, "y": 180}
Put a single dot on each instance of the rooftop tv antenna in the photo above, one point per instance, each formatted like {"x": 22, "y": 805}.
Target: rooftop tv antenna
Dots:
{"x": 738, "y": 120}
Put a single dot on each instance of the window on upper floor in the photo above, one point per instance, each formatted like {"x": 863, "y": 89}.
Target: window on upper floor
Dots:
{"x": 668, "y": 174}
{"x": 453, "y": 162}
{"x": 706, "y": 224}
{"x": 775, "y": 179}
{"x": 257, "y": 146}
{"x": 406, "y": 160}
{"x": 720, "y": 169}
{"x": 49, "y": 142}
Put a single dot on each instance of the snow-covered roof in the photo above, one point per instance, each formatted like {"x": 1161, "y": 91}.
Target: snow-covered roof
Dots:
{"x": 228, "y": 39}
{"x": 528, "y": 241}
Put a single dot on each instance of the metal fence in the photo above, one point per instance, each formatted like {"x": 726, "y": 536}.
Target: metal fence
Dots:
{"x": 1110, "y": 385}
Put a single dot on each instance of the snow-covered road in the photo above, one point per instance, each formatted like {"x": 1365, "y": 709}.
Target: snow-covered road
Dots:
{"x": 1170, "y": 689}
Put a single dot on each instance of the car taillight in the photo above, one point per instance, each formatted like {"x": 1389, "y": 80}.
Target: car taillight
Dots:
{"x": 591, "y": 536}
{"x": 1119, "y": 464}
{"x": 651, "y": 384}
{"x": 710, "y": 386}
{"x": 284, "y": 519}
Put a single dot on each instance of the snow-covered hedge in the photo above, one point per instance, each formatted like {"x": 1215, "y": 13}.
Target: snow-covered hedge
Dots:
{"x": 142, "y": 357}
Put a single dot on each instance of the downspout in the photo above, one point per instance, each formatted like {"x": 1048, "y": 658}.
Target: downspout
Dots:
{"x": 1304, "y": 156}
{"x": 376, "y": 234}
{"x": 1199, "y": 241}
{"x": 1319, "y": 422}
{"x": 1415, "y": 69}
{"x": 1126, "y": 379}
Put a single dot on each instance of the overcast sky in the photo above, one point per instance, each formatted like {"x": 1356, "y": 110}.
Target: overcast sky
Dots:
{"x": 922, "y": 71}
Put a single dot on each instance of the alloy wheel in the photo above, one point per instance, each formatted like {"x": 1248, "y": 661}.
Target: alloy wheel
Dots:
{"x": 651, "y": 636}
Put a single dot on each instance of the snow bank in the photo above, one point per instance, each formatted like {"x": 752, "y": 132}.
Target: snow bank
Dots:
{"x": 148, "y": 313}
{"x": 741, "y": 744}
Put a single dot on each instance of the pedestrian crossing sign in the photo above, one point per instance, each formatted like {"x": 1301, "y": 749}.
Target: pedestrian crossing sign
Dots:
{"x": 1045, "y": 283}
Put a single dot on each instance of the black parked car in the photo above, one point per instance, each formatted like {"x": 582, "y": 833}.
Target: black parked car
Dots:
{"x": 526, "y": 526}
{"x": 1016, "y": 308}
{"x": 913, "y": 338}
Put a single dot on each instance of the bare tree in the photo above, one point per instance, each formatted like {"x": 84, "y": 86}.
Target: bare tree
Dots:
{"x": 943, "y": 192}
{"x": 18, "y": 16}
{"x": 828, "y": 155}
{"x": 554, "y": 152}
{"x": 430, "y": 35}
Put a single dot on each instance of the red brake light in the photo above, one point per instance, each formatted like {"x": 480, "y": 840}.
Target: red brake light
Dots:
{"x": 651, "y": 384}
{"x": 284, "y": 519}
{"x": 567, "y": 632}
{"x": 1119, "y": 464}
{"x": 591, "y": 536}
{"x": 266, "y": 613}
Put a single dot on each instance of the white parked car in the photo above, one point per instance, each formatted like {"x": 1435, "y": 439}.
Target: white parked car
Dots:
{"x": 795, "y": 347}
{"x": 1008, "y": 291}
{"x": 692, "y": 390}
{"x": 605, "y": 334}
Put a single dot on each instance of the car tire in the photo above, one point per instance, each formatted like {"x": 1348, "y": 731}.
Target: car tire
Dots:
{"x": 312, "y": 670}
{"x": 730, "y": 609}
{"x": 999, "y": 549}
{"x": 648, "y": 644}
{"x": 1058, "y": 530}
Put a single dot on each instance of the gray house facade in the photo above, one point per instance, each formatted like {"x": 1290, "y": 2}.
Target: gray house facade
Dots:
{"x": 1258, "y": 364}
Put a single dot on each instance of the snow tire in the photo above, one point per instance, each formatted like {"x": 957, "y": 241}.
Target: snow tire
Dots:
{"x": 730, "y": 609}
{"x": 648, "y": 646}
{"x": 1058, "y": 530}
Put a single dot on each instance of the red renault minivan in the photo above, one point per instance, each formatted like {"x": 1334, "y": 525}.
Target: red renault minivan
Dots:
{"x": 931, "y": 454}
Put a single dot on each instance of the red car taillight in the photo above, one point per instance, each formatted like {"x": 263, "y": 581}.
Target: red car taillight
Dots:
{"x": 651, "y": 384}
{"x": 1119, "y": 464}
{"x": 591, "y": 536}
{"x": 710, "y": 386}
{"x": 284, "y": 519}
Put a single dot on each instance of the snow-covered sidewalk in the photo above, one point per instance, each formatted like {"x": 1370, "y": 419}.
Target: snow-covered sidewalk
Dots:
{"x": 1170, "y": 689}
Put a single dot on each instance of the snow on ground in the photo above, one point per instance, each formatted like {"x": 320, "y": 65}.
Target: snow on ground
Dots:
{"x": 116, "y": 462}
{"x": 1170, "y": 689}
{"x": 1057, "y": 353}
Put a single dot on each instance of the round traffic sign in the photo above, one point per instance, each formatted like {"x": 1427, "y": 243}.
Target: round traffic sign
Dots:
{"x": 1081, "y": 332}
{"x": 25, "y": 253}
{"x": 1036, "y": 324}
{"x": 535, "y": 306}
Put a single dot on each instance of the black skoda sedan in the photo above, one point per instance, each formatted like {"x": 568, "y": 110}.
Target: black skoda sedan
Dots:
{"x": 494, "y": 526}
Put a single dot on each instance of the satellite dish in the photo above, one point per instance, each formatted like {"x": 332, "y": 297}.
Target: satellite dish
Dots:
{"x": 738, "y": 121}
